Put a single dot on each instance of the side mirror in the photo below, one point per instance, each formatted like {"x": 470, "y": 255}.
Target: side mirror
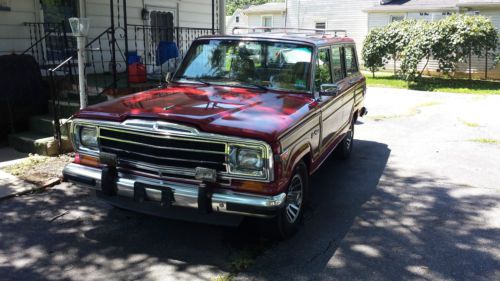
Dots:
{"x": 329, "y": 89}
{"x": 168, "y": 77}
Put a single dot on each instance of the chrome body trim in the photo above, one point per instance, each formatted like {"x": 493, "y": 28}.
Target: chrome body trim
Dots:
{"x": 185, "y": 195}
{"x": 167, "y": 130}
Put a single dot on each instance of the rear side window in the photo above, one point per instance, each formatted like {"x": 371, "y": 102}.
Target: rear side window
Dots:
{"x": 337, "y": 72}
{"x": 351, "y": 64}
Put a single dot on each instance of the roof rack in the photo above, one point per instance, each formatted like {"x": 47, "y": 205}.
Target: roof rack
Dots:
{"x": 317, "y": 31}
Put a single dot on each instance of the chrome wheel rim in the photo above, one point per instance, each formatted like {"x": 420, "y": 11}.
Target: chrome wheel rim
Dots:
{"x": 294, "y": 199}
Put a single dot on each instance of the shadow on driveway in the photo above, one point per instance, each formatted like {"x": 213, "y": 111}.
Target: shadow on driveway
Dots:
{"x": 365, "y": 222}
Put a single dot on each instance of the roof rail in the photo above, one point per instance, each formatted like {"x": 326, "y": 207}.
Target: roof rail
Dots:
{"x": 287, "y": 30}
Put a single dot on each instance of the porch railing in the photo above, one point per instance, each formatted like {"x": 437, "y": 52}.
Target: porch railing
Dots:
{"x": 50, "y": 44}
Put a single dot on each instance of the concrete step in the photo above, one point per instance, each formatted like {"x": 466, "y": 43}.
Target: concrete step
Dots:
{"x": 41, "y": 144}
{"x": 44, "y": 124}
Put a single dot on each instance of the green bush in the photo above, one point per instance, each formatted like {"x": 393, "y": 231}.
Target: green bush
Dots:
{"x": 449, "y": 41}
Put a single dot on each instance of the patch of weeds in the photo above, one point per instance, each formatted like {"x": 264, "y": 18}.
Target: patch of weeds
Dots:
{"x": 486, "y": 141}
{"x": 225, "y": 277}
{"x": 470, "y": 124}
{"x": 24, "y": 166}
{"x": 39, "y": 169}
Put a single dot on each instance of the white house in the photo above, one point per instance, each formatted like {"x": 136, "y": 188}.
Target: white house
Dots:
{"x": 358, "y": 17}
{"x": 238, "y": 18}
{"x": 271, "y": 14}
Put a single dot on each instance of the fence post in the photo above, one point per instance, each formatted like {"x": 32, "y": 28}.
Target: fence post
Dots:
{"x": 125, "y": 30}
{"x": 113, "y": 42}
{"x": 57, "y": 125}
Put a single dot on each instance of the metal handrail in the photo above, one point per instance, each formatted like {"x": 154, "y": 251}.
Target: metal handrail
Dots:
{"x": 37, "y": 41}
{"x": 73, "y": 56}
{"x": 286, "y": 29}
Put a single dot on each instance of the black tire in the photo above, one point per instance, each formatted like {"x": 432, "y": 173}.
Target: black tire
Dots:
{"x": 288, "y": 220}
{"x": 344, "y": 148}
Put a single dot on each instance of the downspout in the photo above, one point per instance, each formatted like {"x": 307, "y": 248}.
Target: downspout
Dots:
{"x": 213, "y": 16}
{"x": 286, "y": 12}
{"x": 222, "y": 16}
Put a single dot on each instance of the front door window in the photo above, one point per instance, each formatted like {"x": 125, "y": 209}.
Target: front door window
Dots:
{"x": 323, "y": 69}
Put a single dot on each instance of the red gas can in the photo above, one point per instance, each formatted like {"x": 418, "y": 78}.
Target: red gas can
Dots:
{"x": 137, "y": 73}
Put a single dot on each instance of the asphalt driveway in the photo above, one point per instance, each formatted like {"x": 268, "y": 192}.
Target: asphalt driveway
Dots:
{"x": 418, "y": 200}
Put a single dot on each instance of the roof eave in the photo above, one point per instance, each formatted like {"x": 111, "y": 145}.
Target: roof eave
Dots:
{"x": 478, "y": 5}
{"x": 396, "y": 9}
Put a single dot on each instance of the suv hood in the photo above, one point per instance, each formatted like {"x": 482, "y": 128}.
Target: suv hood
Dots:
{"x": 243, "y": 112}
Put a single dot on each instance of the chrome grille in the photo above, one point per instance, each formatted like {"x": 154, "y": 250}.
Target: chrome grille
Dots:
{"x": 162, "y": 150}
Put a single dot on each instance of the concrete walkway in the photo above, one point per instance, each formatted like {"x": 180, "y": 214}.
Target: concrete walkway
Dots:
{"x": 11, "y": 185}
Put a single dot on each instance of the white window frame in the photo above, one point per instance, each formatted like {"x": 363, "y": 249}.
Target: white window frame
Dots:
{"x": 267, "y": 16}
{"x": 320, "y": 21}
{"x": 393, "y": 18}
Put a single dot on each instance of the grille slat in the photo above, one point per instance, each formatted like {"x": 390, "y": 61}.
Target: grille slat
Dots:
{"x": 163, "y": 151}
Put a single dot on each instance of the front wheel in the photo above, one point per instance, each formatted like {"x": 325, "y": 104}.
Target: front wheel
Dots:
{"x": 288, "y": 220}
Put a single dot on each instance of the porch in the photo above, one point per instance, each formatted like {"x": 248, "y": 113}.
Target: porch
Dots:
{"x": 113, "y": 57}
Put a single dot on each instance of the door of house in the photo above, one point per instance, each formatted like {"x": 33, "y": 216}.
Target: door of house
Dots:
{"x": 55, "y": 15}
{"x": 162, "y": 23}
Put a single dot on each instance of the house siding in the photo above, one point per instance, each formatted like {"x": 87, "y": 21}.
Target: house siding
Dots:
{"x": 14, "y": 36}
{"x": 255, "y": 20}
{"x": 340, "y": 14}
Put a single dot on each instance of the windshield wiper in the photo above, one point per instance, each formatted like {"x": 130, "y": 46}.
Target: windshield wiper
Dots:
{"x": 253, "y": 84}
{"x": 199, "y": 80}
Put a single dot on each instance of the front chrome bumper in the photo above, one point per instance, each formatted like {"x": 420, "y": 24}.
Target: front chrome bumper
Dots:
{"x": 184, "y": 195}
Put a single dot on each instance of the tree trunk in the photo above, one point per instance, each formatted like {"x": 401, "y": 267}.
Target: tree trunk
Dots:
{"x": 423, "y": 69}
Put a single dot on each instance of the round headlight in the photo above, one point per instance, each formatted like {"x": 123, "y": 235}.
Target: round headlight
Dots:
{"x": 88, "y": 137}
{"x": 246, "y": 159}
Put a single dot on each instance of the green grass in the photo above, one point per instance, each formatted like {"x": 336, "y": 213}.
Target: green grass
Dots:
{"x": 470, "y": 124}
{"x": 486, "y": 141}
{"x": 433, "y": 84}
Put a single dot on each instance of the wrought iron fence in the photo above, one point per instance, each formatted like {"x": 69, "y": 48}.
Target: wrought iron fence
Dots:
{"x": 145, "y": 39}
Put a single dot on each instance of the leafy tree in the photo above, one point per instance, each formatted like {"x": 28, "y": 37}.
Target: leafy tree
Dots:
{"x": 397, "y": 36}
{"x": 374, "y": 51}
{"x": 233, "y": 5}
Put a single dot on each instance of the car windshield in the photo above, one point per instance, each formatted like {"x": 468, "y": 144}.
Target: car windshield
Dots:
{"x": 259, "y": 64}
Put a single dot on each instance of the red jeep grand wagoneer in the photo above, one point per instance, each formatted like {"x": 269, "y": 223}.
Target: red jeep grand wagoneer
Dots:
{"x": 238, "y": 130}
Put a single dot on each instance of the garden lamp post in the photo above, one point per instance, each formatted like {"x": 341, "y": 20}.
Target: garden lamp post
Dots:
{"x": 80, "y": 29}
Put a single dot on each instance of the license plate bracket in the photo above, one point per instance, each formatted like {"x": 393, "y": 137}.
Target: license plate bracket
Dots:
{"x": 140, "y": 195}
